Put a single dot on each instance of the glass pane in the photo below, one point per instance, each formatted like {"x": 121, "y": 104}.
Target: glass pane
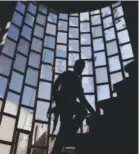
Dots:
{"x": 107, "y": 22}
{"x": 101, "y": 75}
{"x": 61, "y": 51}
{"x": 84, "y": 16}
{"x": 29, "y": 19}
{"x": 12, "y": 103}
{"x": 52, "y": 17}
{"x": 46, "y": 72}
{"x": 3, "y": 84}
{"x": 72, "y": 58}
{"x": 26, "y": 32}
{"x": 73, "y": 21}
{"x": 126, "y": 63}
{"x": 70, "y": 69}
{"x": 118, "y": 12}
{"x": 100, "y": 59}
{"x": 5, "y": 149}
{"x": 9, "y": 48}
{"x": 120, "y": 23}
{"x": 114, "y": 63}
{"x": 97, "y": 31}
{"x": 34, "y": 60}
{"x": 126, "y": 51}
{"x": 95, "y": 12}
{"x": 32, "y": 8}
{"x": 25, "y": 119}
{"x": 20, "y": 63}
{"x": 49, "y": 41}
{"x": 16, "y": 78}
{"x": 91, "y": 100}
{"x": 62, "y": 25}
{"x": 123, "y": 36}
{"x": 103, "y": 92}
{"x": 56, "y": 76}
{"x": 23, "y": 46}
{"x": 73, "y": 33}
{"x": 62, "y": 37}
{"x": 116, "y": 4}
{"x": 17, "y": 19}
{"x": 13, "y": 32}
{"x": 111, "y": 48}
{"x": 29, "y": 95}
{"x": 73, "y": 45}
{"x": 88, "y": 68}
{"x": 22, "y": 144}
{"x": 86, "y": 53}
{"x": 6, "y": 134}
{"x": 32, "y": 77}
{"x": 40, "y": 135}
{"x": 85, "y": 27}
{"x": 41, "y": 19}
{"x": 88, "y": 84}
{"x": 48, "y": 56}
{"x": 116, "y": 77}
{"x": 109, "y": 34}
{"x": 20, "y": 7}
{"x": 60, "y": 66}
{"x": 51, "y": 29}
{"x": 98, "y": 44}
{"x": 5, "y": 65}
{"x": 39, "y": 31}
{"x": 63, "y": 16}
{"x": 42, "y": 8}
{"x": 95, "y": 20}
{"x": 44, "y": 90}
{"x": 36, "y": 45}
{"x": 41, "y": 111}
{"x": 106, "y": 11}
{"x": 85, "y": 39}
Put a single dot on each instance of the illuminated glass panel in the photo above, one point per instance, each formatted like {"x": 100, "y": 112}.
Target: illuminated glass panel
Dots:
{"x": 5, "y": 148}
{"x": 73, "y": 33}
{"x": 41, "y": 19}
{"x": 95, "y": 20}
{"x": 72, "y": 58}
{"x": 36, "y": 45}
{"x": 61, "y": 51}
{"x": 52, "y": 17}
{"x": 88, "y": 84}
{"x": 23, "y": 46}
{"x": 98, "y": 44}
{"x": 29, "y": 96}
{"x": 5, "y": 123}
{"x": 13, "y": 32}
{"x": 26, "y": 32}
{"x": 109, "y": 34}
{"x": 62, "y": 25}
{"x": 48, "y": 56}
{"x": 88, "y": 70}
{"x": 12, "y": 103}
{"x": 108, "y": 22}
{"x": 49, "y": 41}
{"x": 41, "y": 111}
{"x": 103, "y": 92}
{"x": 97, "y": 31}
{"x": 42, "y": 9}
{"x": 16, "y": 77}
{"x": 25, "y": 119}
{"x": 20, "y": 7}
{"x": 111, "y": 48}
{"x": 32, "y": 77}
{"x": 32, "y": 8}
{"x": 62, "y": 37}
{"x": 73, "y": 45}
{"x": 20, "y": 63}
{"x": 123, "y": 36}
{"x": 73, "y": 21}
{"x": 120, "y": 23}
{"x": 46, "y": 72}
{"x": 63, "y": 16}
{"x": 51, "y": 29}
{"x": 9, "y": 48}
{"x": 5, "y": 65}
{"x": 84, "y": 16}
{"x": 3, "y": 84}
{"x": 101, "y": 75}
{"x": 34, "y": 60}
{"x": 85, "y": 39}
{"x": 106, "y": 11}
{"x": 39, "y": 31}
{"x": 86, "y": 52}
{"x": 44, "y": 90}
{"x": 84, "y": 27}
{"x": 100, "y": 59}
{"x": 60, "y": 65}
{"x": 17, "y": 19}
{"x": 91, "y": 100}
{"x": 118, "y": 12}
{"x": 29, "y": 19}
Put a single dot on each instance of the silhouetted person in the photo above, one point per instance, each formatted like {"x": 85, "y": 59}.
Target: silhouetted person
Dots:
{"x": 66, "y": 89}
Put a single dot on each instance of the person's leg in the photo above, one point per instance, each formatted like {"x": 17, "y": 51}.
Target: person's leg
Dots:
{"x": 80, "y": 114}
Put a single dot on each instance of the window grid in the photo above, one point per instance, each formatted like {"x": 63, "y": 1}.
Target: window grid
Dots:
{"x": 34, "y": 120}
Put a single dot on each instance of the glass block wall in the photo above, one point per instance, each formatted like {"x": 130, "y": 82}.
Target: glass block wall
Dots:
{"x": 40, "y": 45}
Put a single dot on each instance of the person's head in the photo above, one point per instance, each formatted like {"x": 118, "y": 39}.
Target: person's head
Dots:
{"x": 79, "y": 66}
